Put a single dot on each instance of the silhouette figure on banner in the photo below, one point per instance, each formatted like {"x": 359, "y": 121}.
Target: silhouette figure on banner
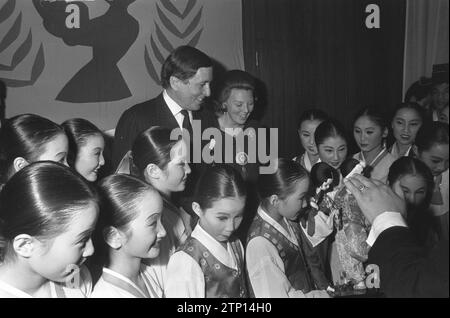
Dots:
{"x": 110, "y": 36}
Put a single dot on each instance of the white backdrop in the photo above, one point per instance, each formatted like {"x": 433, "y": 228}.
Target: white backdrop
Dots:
{"x": 426, "y": 38}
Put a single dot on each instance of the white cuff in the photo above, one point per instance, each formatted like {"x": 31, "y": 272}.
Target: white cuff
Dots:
{"x": 382, "y": 222}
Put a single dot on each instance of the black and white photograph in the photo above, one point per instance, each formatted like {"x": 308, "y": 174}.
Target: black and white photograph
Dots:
{"x": 253, "y": 150}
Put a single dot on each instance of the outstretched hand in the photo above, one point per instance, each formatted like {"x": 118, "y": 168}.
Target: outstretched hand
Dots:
{"x": 374, "y": 197}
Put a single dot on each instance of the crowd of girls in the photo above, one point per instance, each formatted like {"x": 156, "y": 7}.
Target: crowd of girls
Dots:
{"x": 66, "y": 231}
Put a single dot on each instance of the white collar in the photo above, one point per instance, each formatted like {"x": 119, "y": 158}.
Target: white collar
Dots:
{"x": 395, "y": 152}
{"x": 128, "y": 281}
{"x": 383, "y": 149}
{"x": 290, "y": 236}
{"x": 174, "y": 108}
{"x": 225, "y": 256}
{"x": 307, "y": 162}
{"x": 13, "y": 290}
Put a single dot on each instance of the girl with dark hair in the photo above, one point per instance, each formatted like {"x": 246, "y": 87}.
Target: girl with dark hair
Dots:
{"x": 280, "y": 261}
{"x": 28, "y": 138}
{"x": 211, "y": 262}
{"x": 370, "y": 131}
{"x": 331, "y": 142}
{"x": 162, "y": 162}
{"x": 349, "y": 249}
{"x": 86, "y": 145}
{"x": 411, "y": 179}
{"x": 432, "y": 148}
{"x": 309, "y": 120}
{"x": 47, "y": 215}
{"x": 406, "y": 122}
{"x": 130, "y": 230}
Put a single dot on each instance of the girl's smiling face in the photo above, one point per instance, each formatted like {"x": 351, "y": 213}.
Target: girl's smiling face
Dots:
{"x": 177, "y": 170}
{"x": 55, "y": 259}
{"x": 90, "y": 157}
{"x": 146, "y": 230}
{"x": 333, "y": 151}
{"x": 405, "y": 125}
{"x": 222, "y": 218}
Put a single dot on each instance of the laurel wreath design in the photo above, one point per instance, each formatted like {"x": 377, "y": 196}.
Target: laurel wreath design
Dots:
{"x": 159, "y": 42}
{"x": 23, "y": 50}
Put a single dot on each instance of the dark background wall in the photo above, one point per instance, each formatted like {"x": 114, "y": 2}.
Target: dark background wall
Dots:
{"x": 319, "y": 54}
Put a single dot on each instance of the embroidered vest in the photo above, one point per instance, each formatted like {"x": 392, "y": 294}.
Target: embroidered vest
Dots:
{"x": 220, "y": 280}
{"x": 295, "y": 265}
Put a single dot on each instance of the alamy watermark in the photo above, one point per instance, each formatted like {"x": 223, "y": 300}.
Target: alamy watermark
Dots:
{"x": 234, "y": 146}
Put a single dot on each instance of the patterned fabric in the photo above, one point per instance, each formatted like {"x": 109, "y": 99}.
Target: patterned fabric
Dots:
{"x": 220, "y": 280}
{"x": 295, "y": 265}
{"x": 351, "y": 236}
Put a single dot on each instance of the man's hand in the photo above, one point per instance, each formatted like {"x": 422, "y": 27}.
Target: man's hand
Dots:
{"x": 374, "y": 197}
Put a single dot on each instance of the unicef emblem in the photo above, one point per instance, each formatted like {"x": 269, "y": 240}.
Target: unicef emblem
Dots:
{"x": 241, "y": 158}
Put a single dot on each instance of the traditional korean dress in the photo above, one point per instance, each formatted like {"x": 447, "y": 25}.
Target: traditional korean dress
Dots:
{"x": 203, "y": 268}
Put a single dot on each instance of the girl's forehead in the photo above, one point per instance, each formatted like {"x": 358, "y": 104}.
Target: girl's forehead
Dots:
{"x": 310, "y": 124}
{"x": 366, "y": 121}
{"x": 413, "y": 180}
{"x": 408, "y": 113}
{"x": 228, "y": 204}
{"x": 334, "y": 141}
{"x": 150, "y": 203}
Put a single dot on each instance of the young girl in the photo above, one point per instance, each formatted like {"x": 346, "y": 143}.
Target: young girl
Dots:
{"x": 162, "y": 162}
{"x": 280, "y": 262}
{"x": 47, "y": 216}
{"x": 86, "y": 145}
{"x": 131, "y": 229}
{"x": 211, "y": 262}
{"x": 27, "y": 138}
{"x": 432, "y": 145}
{"x": 349, "y": 249}
{"x": 308, "y": 123}
{"x": 410, "y": 178}
{"x": 407, "y": 119}
{"x": 370, "y": 131}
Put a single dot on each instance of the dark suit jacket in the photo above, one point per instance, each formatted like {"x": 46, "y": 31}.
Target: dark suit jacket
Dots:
{"x": 140, "y": 117}
{"x": 406, "y": 269}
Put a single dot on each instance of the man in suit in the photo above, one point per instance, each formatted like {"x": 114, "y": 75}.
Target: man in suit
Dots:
{"x": 185, "y": 76}
{"x": 406, "y": 270}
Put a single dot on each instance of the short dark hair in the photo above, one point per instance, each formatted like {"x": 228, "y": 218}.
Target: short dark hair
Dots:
{"x": 219, "y": 182}
{"x": 77, "y": 131}
{"x": 41, "y": 200}
{"x": 419, "y": 89}
{"x": 183, "y": 63}
{"x": 283, "y": 181}
{"x": 431, "y": 133}
{"x": 24, "y": 136}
